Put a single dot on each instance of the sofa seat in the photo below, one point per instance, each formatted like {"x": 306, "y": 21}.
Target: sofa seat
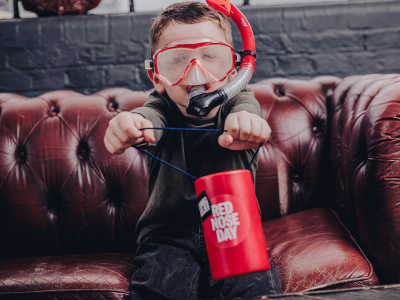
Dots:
{"x": 312, "y": 249}
{"x": 98, "y": 276}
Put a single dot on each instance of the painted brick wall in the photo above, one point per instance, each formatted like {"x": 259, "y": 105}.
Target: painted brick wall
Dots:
{"x": 89, "y": 53}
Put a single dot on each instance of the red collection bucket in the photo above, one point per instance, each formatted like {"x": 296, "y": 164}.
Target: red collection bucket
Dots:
{"x": 231, "y": 224}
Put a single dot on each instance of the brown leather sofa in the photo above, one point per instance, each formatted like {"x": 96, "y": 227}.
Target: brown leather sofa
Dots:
{"x": 328, "y": 185}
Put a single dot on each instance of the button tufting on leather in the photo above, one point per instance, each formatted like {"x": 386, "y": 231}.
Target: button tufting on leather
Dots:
{"x": 52, "y": 200}
{"x": 114, "y": 195}
{"x": 53, "y": 110}
{"x": 279, "y": 90}
{"x": 83, "y": 150}
{"x": 362, "y": 151}
{"x": 111, "y": 209}
{"x": 21, "y": 153}
{"x": 296, "y": 177}
{"x": 112, "y": 105}
{"x": 52, "y": 216}
{"x": 318, "y": 126}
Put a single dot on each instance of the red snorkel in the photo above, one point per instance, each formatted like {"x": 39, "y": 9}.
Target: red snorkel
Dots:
{"x": 249, "y": 45}
{"x": 200, "y": 104}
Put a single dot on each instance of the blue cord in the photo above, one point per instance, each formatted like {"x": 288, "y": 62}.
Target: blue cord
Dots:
{"x": 165, "y": 162}
{"x": 187, "y": 129}
{"x": 254, "y": 157}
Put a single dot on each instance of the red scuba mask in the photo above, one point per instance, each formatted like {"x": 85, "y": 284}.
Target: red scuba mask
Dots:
{"x": 193, "y": 63}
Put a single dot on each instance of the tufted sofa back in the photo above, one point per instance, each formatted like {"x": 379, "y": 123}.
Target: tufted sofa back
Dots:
{"x": 62, "y": 192}
{"x": 365, "y": 136}
{"x": 293, "y": 172}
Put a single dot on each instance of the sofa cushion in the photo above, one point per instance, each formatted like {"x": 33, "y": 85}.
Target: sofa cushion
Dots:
{"x": 312, "y": 249}
{"x": 292, "y": 172}
{"x": 61, "y": 191}
{"x": 106, "y": 276}
{"x": 365, "y": 157}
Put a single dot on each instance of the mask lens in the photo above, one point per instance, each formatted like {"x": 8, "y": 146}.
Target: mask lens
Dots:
{"x": 171, "y": 63}
{"x": 216, "y": 59}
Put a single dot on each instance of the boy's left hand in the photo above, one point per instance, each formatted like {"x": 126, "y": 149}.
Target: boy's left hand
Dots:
{"x": 244, "y": 130}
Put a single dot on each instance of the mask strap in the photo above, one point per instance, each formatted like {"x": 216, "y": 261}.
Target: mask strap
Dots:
{"x": 192, "y": 177}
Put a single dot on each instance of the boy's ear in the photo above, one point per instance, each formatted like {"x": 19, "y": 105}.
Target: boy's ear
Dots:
{"x": 158, "y": 85}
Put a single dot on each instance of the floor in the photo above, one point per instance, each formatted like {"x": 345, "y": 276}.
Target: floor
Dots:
{"x": 381, "y": 292}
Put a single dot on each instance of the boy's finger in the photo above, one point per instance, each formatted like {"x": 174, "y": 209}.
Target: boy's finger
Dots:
{"x": 245, "y": 128}
{"x": 135, "y": 125}
{"x": 232, "y": 126}
{"x": 118, "y": 133}
{"x": 148, "y": 133}
{"x": 127, "y": 128}
{"x": 113, "y": 145}
{"x": 108, "y": 146}
{"x": 256, "y": 130}
{"x": 225, "y": 139}
{"x": 241, "y": 145}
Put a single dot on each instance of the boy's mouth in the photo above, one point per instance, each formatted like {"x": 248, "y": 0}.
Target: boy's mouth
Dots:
{"x": 203, "y": 87}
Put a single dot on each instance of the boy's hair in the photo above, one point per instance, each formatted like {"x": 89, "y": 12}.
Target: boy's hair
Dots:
{"x": 189, "y": 12}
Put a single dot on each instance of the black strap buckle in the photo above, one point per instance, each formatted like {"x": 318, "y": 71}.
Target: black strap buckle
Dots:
{"x": 244, "y": 53}
{"x": 241, "y": 54}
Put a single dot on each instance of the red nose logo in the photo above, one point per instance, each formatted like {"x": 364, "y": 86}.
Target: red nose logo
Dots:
{"x": 227, "y": 225}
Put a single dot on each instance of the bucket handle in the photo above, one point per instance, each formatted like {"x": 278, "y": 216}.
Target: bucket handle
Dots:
{"x": 192, "y": 177}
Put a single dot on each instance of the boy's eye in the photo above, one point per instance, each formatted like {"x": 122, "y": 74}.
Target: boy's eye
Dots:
{"x": 209, "y": 56}
{"x": 179, "y": 58}
{"x": 214, "y": 53}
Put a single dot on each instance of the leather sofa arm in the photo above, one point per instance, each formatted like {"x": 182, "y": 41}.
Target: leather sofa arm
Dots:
{"x": 365, "y": 156}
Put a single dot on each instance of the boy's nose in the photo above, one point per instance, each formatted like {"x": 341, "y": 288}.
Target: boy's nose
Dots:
{"x": 195, "y": 75}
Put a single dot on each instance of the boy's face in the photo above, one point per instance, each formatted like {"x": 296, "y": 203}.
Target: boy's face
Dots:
{"x": 181, "y": 33}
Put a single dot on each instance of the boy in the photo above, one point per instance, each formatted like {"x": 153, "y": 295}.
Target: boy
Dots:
{"x": 171, "y": 260}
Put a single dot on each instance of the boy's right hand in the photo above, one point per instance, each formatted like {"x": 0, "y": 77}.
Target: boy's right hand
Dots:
{"x": 124, "y": 130}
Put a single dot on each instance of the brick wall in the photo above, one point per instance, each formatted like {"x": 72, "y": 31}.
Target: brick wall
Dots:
{"x": 89, "y": 53}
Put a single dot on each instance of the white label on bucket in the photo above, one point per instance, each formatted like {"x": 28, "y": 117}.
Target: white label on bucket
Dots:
{"x": 204, "y": 206}
{"x": 224, "y": 221}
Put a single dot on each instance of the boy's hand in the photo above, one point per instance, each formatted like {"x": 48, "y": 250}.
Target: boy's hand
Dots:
{"x": 244, "y": 130}
{"x": 124, "y": 130}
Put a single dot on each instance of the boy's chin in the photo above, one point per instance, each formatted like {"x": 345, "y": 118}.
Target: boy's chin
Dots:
{"x": 180, "y": 96}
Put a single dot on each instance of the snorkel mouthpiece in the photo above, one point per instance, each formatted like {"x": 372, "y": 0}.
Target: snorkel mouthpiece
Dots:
{"x": 200, "y": 103}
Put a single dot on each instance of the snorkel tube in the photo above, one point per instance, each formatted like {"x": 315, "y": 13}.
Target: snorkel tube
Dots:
{"x": 200, "y": 104}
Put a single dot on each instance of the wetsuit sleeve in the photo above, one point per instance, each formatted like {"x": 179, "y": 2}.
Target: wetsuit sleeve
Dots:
{"x": 154, "y": 110}
{"x": 244, "y": 101}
